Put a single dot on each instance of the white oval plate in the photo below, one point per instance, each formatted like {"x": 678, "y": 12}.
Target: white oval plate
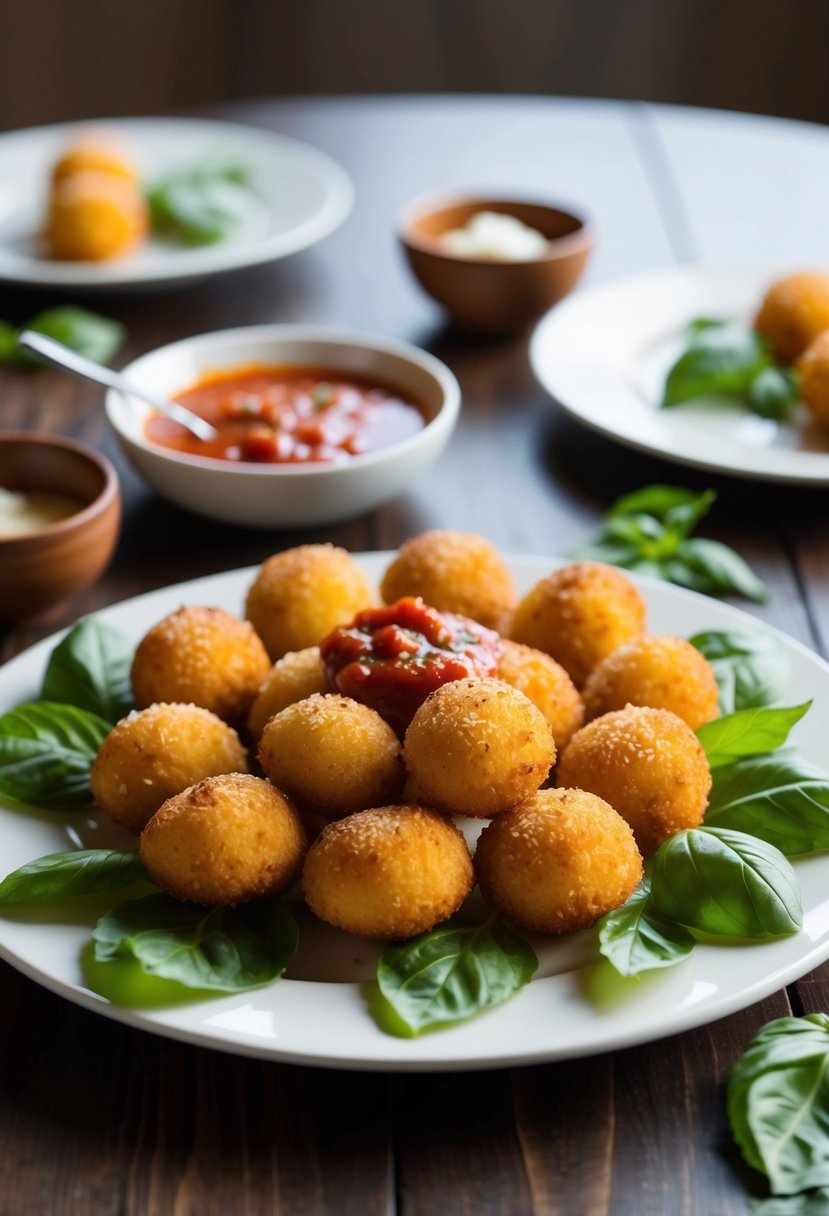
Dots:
{"x": 575, "y": 1007}
{"x": 603, "y": 356}
{"x": 300, "y": 196}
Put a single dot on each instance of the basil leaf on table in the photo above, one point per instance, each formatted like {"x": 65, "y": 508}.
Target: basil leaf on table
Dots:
{"x": 658, "y": 501}
{"x": 65, "y": 875}
{"x": 46, "y": 753}
{"x": 90, "y": 668}
{"x": 453, "y": 972}
{"x": 751, "y": 667}
{"x": 637, "y": 938}
{"x": 96, "y": 337}
{"x": 9, "y": 350}
{"x": 726, "y": 883}
{"x": 778, "y": 1103}
{"x": 720, "y": 359}
{"x": 223, "y": 949}
{"x": 714, "y": 569}
{"x": 780, "y": 798}
{"x": 748, "y": 732}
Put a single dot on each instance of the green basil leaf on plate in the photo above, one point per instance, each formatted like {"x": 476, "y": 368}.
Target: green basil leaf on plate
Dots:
{"x": 726, "y": 883}
{"x": 778, "y": 1103}
{"x": 90, "y": 668}
{"x": 65, "y": 875}
{"x": 780, "y": 798}
{"x": 720, "y": 359}
{"x": 46, "y": 753}
{"x": 774, "y": 392}
{"x": 453, "y": 972}
{"x": 201, "y": 204}
{"x": 637, "y": 938}
{"x": 218, "y": 949}
{"x": 808, "y": 1203}
{"x": 715, "y": 569}
{"x": 96, "y": 337}
{"x": 748, "y": 732}
{"x": 750, "y": 665}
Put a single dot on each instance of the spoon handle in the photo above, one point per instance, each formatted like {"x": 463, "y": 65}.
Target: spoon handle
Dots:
{"x": 60, "y": 356}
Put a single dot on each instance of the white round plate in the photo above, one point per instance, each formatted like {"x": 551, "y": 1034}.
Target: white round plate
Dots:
{"x": 603, "y": 355}
{"x": 575, "y": 1007}
{"x": 300, "y": 195}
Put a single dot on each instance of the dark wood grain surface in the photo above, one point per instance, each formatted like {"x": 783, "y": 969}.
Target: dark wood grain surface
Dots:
{"x": 101, "y": 1119}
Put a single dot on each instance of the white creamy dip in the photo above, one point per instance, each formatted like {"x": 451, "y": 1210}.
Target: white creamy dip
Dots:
{"x": 23, "y": 511}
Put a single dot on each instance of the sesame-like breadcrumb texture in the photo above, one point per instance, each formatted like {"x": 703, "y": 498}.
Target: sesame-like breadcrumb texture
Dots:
{"x": 159, "y": 751}
{"x": 333, "y": 755}
{"x": 389, "y": 872}
{"x": 201, "y": 655}
{"x": 558, "y": 861}
{"x": 300, "y": 595}
{"x": 547, "y": 685}
{"x": 648, "y": 764}
{"x": 793, "y": 312}
{"x": 227, "y": 840}
{"x": 813, "y": 370}
{"x": 658, "y": 670}
{"x": 297, "y": 675}
{"x": 476, "y": 747}
{"x": 579, "y": 614}
{"x": 455, "y": 572}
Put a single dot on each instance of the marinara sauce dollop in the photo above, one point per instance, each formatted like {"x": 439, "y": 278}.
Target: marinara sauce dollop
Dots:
{"x": 391, "y": 658}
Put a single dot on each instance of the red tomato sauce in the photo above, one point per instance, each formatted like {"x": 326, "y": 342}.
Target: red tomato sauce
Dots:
{"x": 289, "y": 415}
{"x": 392, "y": 658}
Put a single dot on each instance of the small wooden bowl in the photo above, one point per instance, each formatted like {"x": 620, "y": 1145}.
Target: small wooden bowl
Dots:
{"x": 42, "y": 569}
{"x": 486, "y": 296}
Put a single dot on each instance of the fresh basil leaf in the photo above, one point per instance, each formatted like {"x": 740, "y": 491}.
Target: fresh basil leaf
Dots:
{"x": 780, "y": 798}
{"x": 46, "y": 753}
{"x": 221, "y": 949}
{"x": 201, "y": 204}
{"x": 773, "y": 392}
{"x": 614, "y": 552}
{"x": 810, "y": 1203}
{"x": 636, "y": 529}
{"x": 637, "y": 938}
{"x": 748, "y": 732}
{"x": 453, "y": 972}
{"x": 9, "y": 350}
{"x": 90, "y": 668}
{"x": 78, "y": 872}
{"x": 656, "y": 500}
{"x": 726, "y": 883}
{"x": 96, "y": 337}
{"x": 720, "y": 359}
{"x": 778, "y": 1103}
{"x": 681, "y": 519}
{"x": 751, "y": 666}
{"x": 709, "y": 566}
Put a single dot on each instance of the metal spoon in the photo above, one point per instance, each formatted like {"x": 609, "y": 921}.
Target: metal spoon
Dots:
{"x": 57, "y": 355}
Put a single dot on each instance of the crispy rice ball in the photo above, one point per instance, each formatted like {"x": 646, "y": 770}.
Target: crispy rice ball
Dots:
{"x": 394, "y": 871}
{"x": 579, "y": 615}
{"x": 794, "y": 311}
{"x": 227, "y": 840}
{"x": 203, "y": 655}
{"x": 661, "y": 671}
{"x": 558, "y": 861}
{"x": 547, "y": 685}
{"x": 300, "y": 595}
{"x": 95, "y": 216}
{"x": 297, "y": 675}
{"x": 95, "y": 151}
{"x": 157, "y": 752}
{"x": 333, "y": 755}
{"x": 813, "y": 366}
{"x": 648, "y": 764}
{"x": 476, "y": 747}
{"x": 455, "y": 572}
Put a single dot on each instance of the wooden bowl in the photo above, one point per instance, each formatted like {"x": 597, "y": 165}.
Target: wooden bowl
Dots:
{"x": 487, "y": 296}
{"x": 42, "y": 569}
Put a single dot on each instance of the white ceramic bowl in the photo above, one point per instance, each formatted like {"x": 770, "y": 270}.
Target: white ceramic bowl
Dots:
{"x": 273, "y": 495}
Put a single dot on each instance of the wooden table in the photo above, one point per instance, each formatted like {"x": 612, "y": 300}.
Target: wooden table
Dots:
{"x": 97, "y": 1118}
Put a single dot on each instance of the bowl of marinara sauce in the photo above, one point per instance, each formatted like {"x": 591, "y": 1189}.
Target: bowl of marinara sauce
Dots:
{"x": 313, "y": 425}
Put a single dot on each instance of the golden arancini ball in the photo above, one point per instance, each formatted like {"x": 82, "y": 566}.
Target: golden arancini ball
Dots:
{"x": 579, "y": 614}
{"x": 558, "y": 861}
{"x": 159, "y": 751}
{"x": 547, "y": 685}
{"x": 227, "y": 840}
{"x": 648, "y": 764}
{"x": 794, "y": 311}
{"x": 813, "y": 368}
{"x": 476, "y": 747}
{"x": 297, "y": 675}
{"x": 657, "y": 670}
{"x": 95, "y": 216}
{"x": 332, "y": 754}
{"x": 201, "y": 655}
{"x": 95, "y": 151}
{"x": 393, "y": 871}
{"x": 455, "y": 572}
{"x": 300, "y": 595}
